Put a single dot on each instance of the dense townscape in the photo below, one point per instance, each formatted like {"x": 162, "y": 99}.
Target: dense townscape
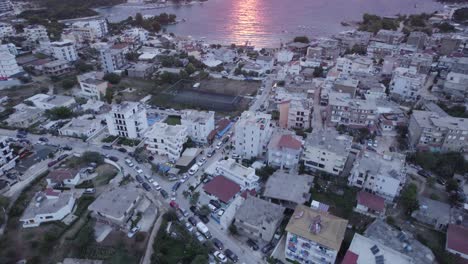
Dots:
{"x": 124, "y": 143}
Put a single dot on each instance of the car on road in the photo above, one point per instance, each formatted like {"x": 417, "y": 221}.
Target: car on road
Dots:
{"x": 106, "y": 147}
{"x": 129, "y": 163}
{"x": 218, "y": 243}
{"x": 62, "y": 157}
{"x": 218, "y": 146}
{"x": 146, "y": 186}
{"x": 192, "y": 220}
{"x": 231, "y": 255}
{"x": 139, "y": 179}
{"x": 133, "y": 231}
{"x": 211, "y": 153}
{"x": 220, "y": 256}
{"x": 424, "y": 173}
{"x": 164, "y": 194}
{"x": 252, "y": 244}
{"x": 43, "y": 139}
{"x": 52, "y": 163}
{"x": 138, "y": 170}
{"x": 201, "y": 161}
{"x": 113, "y": 158}
{"x": 204, "y": 219}
{"x": 189, "y": 227}
{"x": 123, "y": 150}
{"x": 173, "y": 204}
{"x": 267, "y": 248}
{"x": 176, "y": 186}
{"x": 193, "y": 169}
{"x": 21, "y": 136}
{"x": 89, "y": 191}
{"x": 173, "y": 196}
{"x": 68, "y": 148}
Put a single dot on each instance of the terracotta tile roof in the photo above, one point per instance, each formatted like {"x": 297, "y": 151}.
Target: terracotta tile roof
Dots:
{"x": 288, "y": 141}
{"x": 51, "y": 192}
{"x": 456, "y": 238}
{"x": 350, "y": 258}
{"x": 371, "y": 201}
{"x": 252, "y": 192}
{"x": 119, "y": 46}
{"x": 62, "y": 174}
{"x": 222, "y": 187}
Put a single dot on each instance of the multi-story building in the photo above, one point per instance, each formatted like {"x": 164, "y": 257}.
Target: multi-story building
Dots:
{"x": 346, "y": 84}
{"x": 238, "y": 173}
{"x": 390, "y": 36}
{"x": 64, "y": 50}
{"x": 46, "y": 101}
{"x": 199, "y": 124}
{"x": 430, "y": 131}
{"x": 384, "y": 176}
{"x": 92, "y": 29}
{"x": 417, "y": 39}
{"x": 5, "y": 6}
{"x": 326, "y": 150}
{"x": 379, "y": 50}
{"x": 92, "y": 85}
{"x": 343, "y": 110}
{"x": 456, "y": 83}
{"x": 56, "y": 68}
{"x": 127, "y": 120}
{"x": 314, "y": 236}
{"x": 6, "y": 29}
{"x": 406, "y": 83}
{"x": 258, "y": 219}
{"x": 284, "y": 150}
{"x": 35, "y": 33}
{"x": 252, "y": 133}
{"x": 10, "y": 48}
{"x": 299, "y": 114}
{"x": 166, "y": 140}
{"x": 8, "y": 65}
{"x": 354, "y": 63}
{"x": 7, "y": 160}
{"x": 113, "y": 57}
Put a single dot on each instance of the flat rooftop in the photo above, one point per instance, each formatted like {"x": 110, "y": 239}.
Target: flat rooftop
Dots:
{"x": 329, "y": 140}
{"x": 115, "y": 202}
{"x": 46, "y": 206}
{"x": 297, "y": 191}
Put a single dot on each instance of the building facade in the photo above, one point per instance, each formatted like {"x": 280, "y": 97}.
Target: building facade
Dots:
{"x": 127, "y": 120}
{"x": 166, "y": 140}
{"x": 252, "y": 133}
{"x": 8, "y": 65}
{"x": 64, "y": 50}
{"x": 199, "y": 124}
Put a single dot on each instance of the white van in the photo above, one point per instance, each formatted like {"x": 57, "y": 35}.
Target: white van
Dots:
{"x": 193, "y": 169}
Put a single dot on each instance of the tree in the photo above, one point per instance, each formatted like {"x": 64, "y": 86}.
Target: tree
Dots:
{"x": 204, "y": 210}
{"x": 194, "y": 198}
{"x": 82, "y": 66}
{"x": 461, "y": 14}
{"x": 139, "y": 19}
{"x": 92, "y": 156}
{"x": 233, "y": 229}
{"x": 190, "y": 68}
{"x": 301, "y": 39}
{"x": 112, "y": 78}
{"x": 452, "y": 185}
{"x": 200, "y": 259}
{"x": 68, "y": 83}
{"x": 318, "y": 72}
{"x": 109, "y": 95}
{"x": 409, "y": 198}
{"x": 57, "y": 113}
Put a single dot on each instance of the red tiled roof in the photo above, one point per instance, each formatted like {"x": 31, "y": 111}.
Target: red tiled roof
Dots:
{"x": 51, "y": 192}
{"x": 222, "y": 124}
{"x": 350, "y": 258}
{"x": 119, "y": 46}
{"x": 252, "y": 192}
{"x": 456, "y": 238}
{"x": 222, "y": 187}
{"x": 288, "y": 141}
{"x": 62, "y": 174}
{"x": 371, "y": 201}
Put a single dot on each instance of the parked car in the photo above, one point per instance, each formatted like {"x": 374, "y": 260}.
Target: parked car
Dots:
{"x": 123, "y": 150}
{"x": 235, "y": 156}
{"x": 424, "y": 173}
{"x": 176, "y": 186}
{"x": 139, "y": 179}
{"x": 138, "y": 170}
{"x": 211, "y": 153}
{"x": 218, "y": 243}
{"x": 146, "y": 186}
{"x": 173, "y": 204}
{"x": 218, "y": 146}
{"x": 106, "y": 146}
{"x": 189, "y": 227}
{"x": 231, "y": 255}
{"x": 192, "y": 220}
{"x": 201, "y": 161}
{"x": 52, "y": 163}
{"x": 267, "y": 248}
{"x": 113, "y": 158}
{"x": 183, "y": 211}
{"x": 194, "y": 209}
{"x": 164, "y": 194}
{"x": 220, "y": 256}
{"x": 215, "y": 203}
{"x": 62, "y": 157}
{"x": 129, "y": 163}
{"x": 156, "y": 185}
{"x": 67, "y": 148}
{"x": 89, "y": 191}
{"x": 133, "y": 231}
{"x": 43, "y": 139}
{"x": 252, "y": 244}
{"x": 204, "y": 219}
{"x": 200, "y": 237}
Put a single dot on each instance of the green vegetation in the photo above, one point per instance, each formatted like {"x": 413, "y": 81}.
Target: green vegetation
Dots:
{"x": 265, "y": 172}
{"x": 373, "y": 23}
{"x": 302, "y": 39}
{"x": 233, "y": 229}
{"x": 443, "y": 164}
{"x": 356, "y": 49}
{"x": 109, "y": 139}
{"x": 128, "y": 141}
{"x": 85, "y": 185}
{"x": 181, "y": 248}
{"x": 58, "y": 113}
{"x": 105, "y": 174}
{"x": 4, "y": 202}
{"x": 68, "y": 83}
{"x": 112, "y": 78}
{"x": 409, "y": 198}
{"x": 445, "y": 27}
{"x": 340, "y": 205}
{"x": 91, "y": 156}
{"x": 153, "y": 24}
{"x": 461, "y": 15}
{"x": 455, "y": 111}
{"x": 82, "y": 204}
{"x": 172, "y": 120}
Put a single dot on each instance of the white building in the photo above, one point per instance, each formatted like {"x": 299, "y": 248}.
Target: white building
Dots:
{"x": 284, "y": 150}
{"x": 199, "y": 124}
{"x": 5, "y": 6}
{"x": 6, "y": 29}
{"x": 284, "y": 56}
{"x": 64, "y": 50}
{"x": 354, "y": 63}
{"x": 95, "y": 28}
{"x": 112, "y": 57}
{"x": 10, "y": 48}
{"x": 81, "y": 128}
{"x": 8, "y": 65}
{"x": 384, "y": 176}
{"x": 48, "y": 206}
{"x": 45, "y": 101}
{"x": 406, "y": 83}
{"x": 252, "y": 133}
{"x": 7, "y": 160}
{"x": 245, "y": 177}
{"x": 127, "y": 120}
{"x": 299, "y": 114}
{"x": 66, "y": 176}
{"x": 35, "y": 33}
{"x": 314, "y": 236}
{"x": 92, "y": 85}
{"x": 166, "y": 140}
{"x": 327, "y": 151}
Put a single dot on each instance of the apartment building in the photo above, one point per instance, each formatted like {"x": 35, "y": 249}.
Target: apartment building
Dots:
{"x": 343, "y": 110}
{"x": 64, "y": 50}
{"x": 353, "y": 63}
{"x": 430, "y": 131}
{"x": 299, "y": 114}
{"x": 8, "y": 65}
{"x": 6, "y": 29}
{"x": 384, "y": 175}
{"x": 7, "y": 160}
{"x": 284, "y": 150}
{"x": 92, "y": 85}
{"x": 417, "y": 39}
{"x": 199, "y": 124}
{"x": 35, "y": 33}
{"x": 5, "y": 6}
{"x": 346, "y": 84}
{"x": 326, "y": 150}
{"x": 252, "y": 133}
{"x": 166, "y": 140}
{"x": 56, "y": 68}
{"x": 390, "y": 36}
{"x": 113, "y": 57}
{"x": 406, "y": 83}
{"x": 379, "y": 50}
{"x": 95, "y": 28}
{"x": 127, "y": 120}
{"x": 314, "y": 236}
{"x": 244, "y": 176}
